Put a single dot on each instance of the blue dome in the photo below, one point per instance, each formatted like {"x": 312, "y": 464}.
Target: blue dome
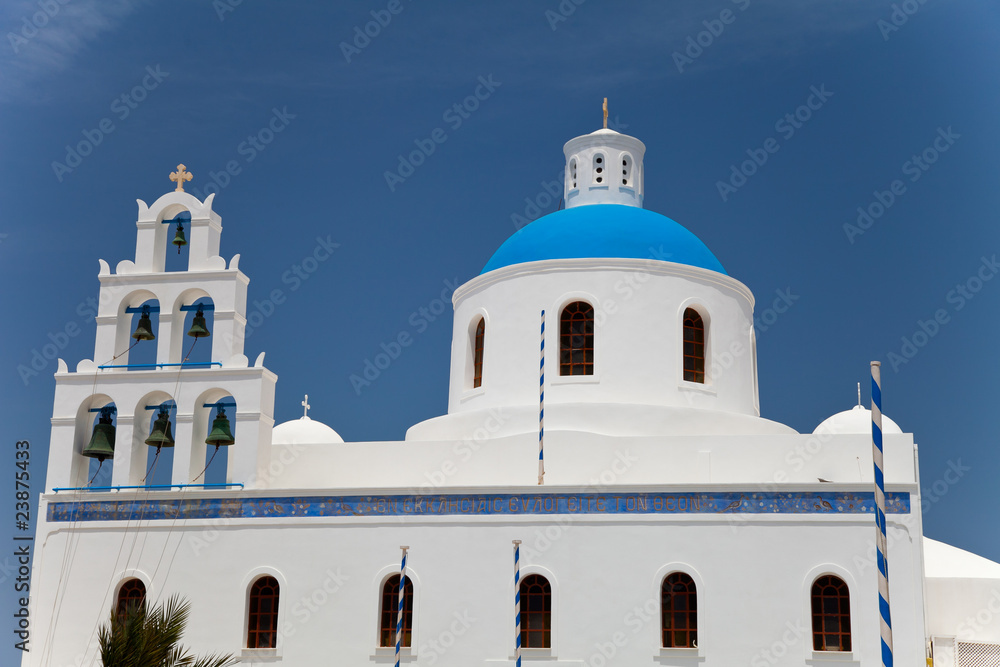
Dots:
{"x": 604, "y": 230}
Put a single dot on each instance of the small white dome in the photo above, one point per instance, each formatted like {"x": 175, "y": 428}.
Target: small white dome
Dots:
{"x": 304, "y": 431}
{"x": 856, "y": 420}
{"x": 943, "y": 561}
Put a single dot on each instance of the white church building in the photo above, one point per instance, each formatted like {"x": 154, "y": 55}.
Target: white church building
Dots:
{"x": 673, "y": 526}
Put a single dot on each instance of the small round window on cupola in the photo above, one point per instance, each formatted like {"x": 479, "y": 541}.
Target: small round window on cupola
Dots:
{"x": 626, "y": 170}
{"x": 572, "y": 174}
{"x": 599, "y": 165}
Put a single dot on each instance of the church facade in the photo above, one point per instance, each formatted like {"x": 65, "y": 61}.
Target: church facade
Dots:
{"x": 659, "y": 519}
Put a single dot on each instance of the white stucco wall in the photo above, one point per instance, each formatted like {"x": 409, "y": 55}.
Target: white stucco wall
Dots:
{"x": 753, "y": 576}
{"x": 638, "y": 357}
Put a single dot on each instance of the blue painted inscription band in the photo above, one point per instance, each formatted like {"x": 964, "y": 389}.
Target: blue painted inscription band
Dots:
{"x": 476, "y": 504}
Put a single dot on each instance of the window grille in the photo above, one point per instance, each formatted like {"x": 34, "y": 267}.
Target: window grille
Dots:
{"x": 576, "y": 339}
{"x": 262, "y": 628}
{"x": 679, "y": 611}
{"x": 977, "y": 654}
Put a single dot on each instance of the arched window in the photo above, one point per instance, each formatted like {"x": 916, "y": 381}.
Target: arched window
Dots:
{"x": 132, "y": 594}
{"x": 694, "y": 346}
{"x": 477, "y": 354}
{"x": 679, "y": 611}
{"x": 572, "y": 173}
{"x": 626, "y": 169}
{"x": 390, "y": 612}
{"x": 599, "y": 168}
{"x": 536, "y": 612}
{"x": 262, "y": 628}
{"x": 576, "y": 339}
{"x": 831, "y": 614}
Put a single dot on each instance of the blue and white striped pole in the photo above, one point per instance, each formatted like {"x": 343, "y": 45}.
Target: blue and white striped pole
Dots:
{"x": 880, "y": 536}
{"x": 517, "y": 602}
{"x": 402, "y": 595}
{"x": 541, "y": 407}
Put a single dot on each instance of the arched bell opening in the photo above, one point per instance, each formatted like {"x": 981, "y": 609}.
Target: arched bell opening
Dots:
{"x": 132, "y": 344}
{"x": 193, "y": 321}
{"x": 94, "y": 442}
{"x": 214, "y": 437}
{"x": 178, "y": 238}
{"x": 155, "y": 431}
{"x": 144, "y": 325}
{"x": 172, "y": 240}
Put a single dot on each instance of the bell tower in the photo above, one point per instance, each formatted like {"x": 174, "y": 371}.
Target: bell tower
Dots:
{"x": 181, "y": 395}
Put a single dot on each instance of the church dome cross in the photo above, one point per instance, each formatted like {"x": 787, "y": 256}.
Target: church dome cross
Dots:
{"x": 179, "y": 176}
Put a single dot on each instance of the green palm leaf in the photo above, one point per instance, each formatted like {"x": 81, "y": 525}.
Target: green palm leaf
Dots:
{"x": 151, "y": 637}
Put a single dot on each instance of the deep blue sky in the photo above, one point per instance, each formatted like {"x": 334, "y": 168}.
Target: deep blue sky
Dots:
{"x": 323, "y": 175}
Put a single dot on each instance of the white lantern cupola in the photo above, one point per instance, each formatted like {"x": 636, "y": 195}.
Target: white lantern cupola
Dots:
{"x": 604, "y": 167}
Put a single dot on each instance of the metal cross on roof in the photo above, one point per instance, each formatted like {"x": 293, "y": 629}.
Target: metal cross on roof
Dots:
{"x": 305, "y": 406}
{"x": 179, "y": 176}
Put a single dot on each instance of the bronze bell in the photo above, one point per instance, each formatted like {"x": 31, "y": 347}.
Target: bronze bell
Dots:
{"x": 144, "y": 330}
{"x": 199, "y": 328}
{"x": 102, "y": 443}
{"x": 161, "y": 436}
{"x": 220, "y": 435}
{"x": 179, "y": 239}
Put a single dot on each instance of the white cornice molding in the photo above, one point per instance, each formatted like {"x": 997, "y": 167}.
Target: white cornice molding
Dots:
{"x": 650, "y": 266}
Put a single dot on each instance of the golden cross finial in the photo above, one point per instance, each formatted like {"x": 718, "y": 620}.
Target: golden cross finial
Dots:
{"x": 605, "y": 113}
{"x": 181, "y": 175}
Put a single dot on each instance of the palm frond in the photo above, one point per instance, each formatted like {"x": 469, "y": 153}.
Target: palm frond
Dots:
{"x": 145, "y": 636}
